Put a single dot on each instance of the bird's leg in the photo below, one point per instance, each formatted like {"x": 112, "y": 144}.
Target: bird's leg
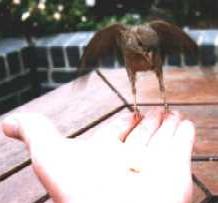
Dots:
{"x": 133, "y": 87}
{"x": 132, "y": 78}
{"x": 137, "y": 114}
{"x": 135, "y": 107}
{"x": 163, "y": 92}
{"x": 158, "y": 62}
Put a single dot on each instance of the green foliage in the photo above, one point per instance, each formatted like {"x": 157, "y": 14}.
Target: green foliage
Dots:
{"x": 130, "y": 19}
{"x": 43, "y": 17}
{"x": 40, "y": 17}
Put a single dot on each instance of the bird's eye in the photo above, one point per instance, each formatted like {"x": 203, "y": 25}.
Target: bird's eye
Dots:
{"x": 140, "y": 43}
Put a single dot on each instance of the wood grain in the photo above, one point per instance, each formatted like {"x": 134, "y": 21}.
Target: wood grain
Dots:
{"x": 185, "y": 85}
{"x": 207, "y": 173}
{"x": 198, "y": 195}
{"x": 22, "y": 187}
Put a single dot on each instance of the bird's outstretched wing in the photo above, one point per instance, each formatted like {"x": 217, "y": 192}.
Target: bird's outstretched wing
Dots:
{"x": 102, "y": 43}
{"x": 173, "y": 39}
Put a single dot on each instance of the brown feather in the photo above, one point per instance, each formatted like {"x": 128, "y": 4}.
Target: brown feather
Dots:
{"x": 173, "y": 39}
{"x": 103, "y": 42}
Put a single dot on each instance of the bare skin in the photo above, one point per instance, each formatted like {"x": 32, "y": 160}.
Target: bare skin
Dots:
{"x": 151, "y": 165}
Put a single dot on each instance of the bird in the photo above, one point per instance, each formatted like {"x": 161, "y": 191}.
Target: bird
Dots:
{"x": 143, "y": 47}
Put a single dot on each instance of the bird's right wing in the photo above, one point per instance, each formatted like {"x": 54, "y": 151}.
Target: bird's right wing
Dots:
{"x": 103, "y": 42}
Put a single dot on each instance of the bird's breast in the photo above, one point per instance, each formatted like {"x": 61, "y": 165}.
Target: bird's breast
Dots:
{"x": 138, "y": 62}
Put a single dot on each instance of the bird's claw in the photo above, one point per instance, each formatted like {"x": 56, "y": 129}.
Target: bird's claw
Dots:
{"x": 135, "y": 120}
{"x": 166, "y": 108}
{"x": 137, "y": 116}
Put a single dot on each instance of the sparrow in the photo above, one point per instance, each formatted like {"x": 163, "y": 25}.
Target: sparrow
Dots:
{"x": 143, "y": 47}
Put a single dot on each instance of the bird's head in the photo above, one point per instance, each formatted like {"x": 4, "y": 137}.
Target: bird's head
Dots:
{"x": 129, "y": 39}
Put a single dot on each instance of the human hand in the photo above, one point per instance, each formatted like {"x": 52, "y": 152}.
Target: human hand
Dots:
{"x": 151, "y": 165}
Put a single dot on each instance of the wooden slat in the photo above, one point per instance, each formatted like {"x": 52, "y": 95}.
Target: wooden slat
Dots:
{"x": 198, "y": 194}
{"x": 21, "y": 187}
{"x": 70, "y": 107}
{"x": 207, "y": 173}
{"x": 182, "y": 85}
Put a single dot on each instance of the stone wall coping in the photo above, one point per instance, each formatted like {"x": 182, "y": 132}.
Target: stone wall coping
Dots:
{"x": 80, "y": 39}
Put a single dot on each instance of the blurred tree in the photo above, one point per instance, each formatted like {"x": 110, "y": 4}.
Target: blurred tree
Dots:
{"x": 194, "y": 13}
{"x": 30, "y": 17}
{"x": 40, "y": 17}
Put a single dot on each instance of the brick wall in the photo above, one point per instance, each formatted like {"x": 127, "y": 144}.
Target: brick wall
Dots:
{"x": 26, "y": 72}
{"x": 15, "y": 80}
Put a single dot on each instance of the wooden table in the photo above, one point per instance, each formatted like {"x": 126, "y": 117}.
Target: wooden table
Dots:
{"x": 83, "y": 106}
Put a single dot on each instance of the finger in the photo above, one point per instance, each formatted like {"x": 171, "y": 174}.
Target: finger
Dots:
{"x": 167, "y": 128}
{"x": 146, "y": 128}
{"x": 135, "y": 120}
{"x": 10, "y": 128}
{"x": 115, "y": 129}
{"x": 44, "y": 143}
{"x": 33, "y": 129}
{"x": 184, "y": 140}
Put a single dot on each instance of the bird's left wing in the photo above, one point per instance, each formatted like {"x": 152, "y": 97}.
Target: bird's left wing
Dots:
{"x": 173, "y": 39}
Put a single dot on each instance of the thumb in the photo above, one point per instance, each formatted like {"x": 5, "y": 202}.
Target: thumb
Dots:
{"x": 30, "y": 128}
